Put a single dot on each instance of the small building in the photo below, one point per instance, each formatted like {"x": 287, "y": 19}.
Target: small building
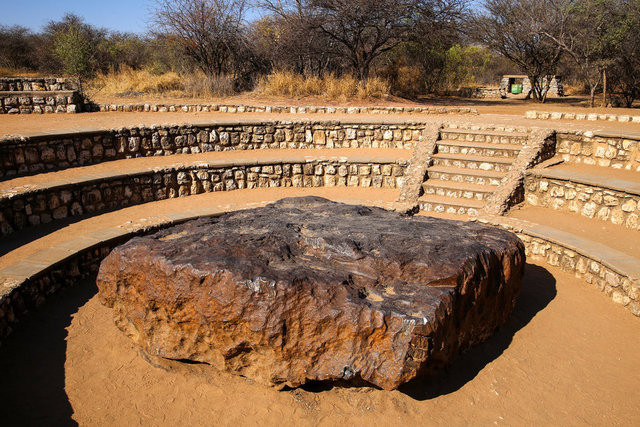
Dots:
{"x": 516, "y": 83}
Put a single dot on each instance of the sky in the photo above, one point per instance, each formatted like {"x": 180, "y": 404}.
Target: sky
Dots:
{"x": 118, "y": 15}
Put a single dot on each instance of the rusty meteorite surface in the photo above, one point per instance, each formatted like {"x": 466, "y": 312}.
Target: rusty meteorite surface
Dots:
{"x": 307, "y": 289}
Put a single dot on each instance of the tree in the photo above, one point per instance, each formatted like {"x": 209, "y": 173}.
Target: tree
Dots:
{"x": 625, "y": 69}
{"x": 207, "y": 31}
{"x": 16, "y": 47}
{"x": 516, "y": 30}
{"x": 362, "y": 30}
{"x": 72, "y": 46}
{"x": 587, "y": 31}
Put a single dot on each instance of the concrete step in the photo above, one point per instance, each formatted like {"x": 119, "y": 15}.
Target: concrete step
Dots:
{"x": 499, "y": 137}
{"x": 460, "y": 190}
{"x": 488, "y": 149}
{"x": 450, "y": 205}
{"x": 473, "y": 176}
{"x": 485, "y": 163}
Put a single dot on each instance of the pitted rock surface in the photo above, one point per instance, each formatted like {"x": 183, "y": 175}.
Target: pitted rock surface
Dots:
{"x": 306, "y": 289}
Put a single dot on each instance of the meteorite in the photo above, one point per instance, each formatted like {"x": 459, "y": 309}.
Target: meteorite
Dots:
{"x": 306, "y": 289}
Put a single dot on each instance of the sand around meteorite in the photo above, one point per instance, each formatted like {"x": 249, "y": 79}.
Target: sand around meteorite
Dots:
{"x": 306, "y": 289}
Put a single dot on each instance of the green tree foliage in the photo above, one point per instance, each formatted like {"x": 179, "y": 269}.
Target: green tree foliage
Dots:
{"x": 74, "y": 51}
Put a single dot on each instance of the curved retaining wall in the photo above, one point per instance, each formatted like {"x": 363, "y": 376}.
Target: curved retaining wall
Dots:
{"x": 21, "y": 156}
{"x": 612, "y": 272}
{"x": 20, "y": 209}
{"x": 609, "y": 149}
{"x": 280, "y": 109}
{"x": 560, "y": 115}
{"x": 603, "y": 199}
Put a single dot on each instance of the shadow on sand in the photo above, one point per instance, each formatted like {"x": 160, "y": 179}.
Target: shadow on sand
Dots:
{"x": 538, "y": 290}
{"x": 32, "y": 383}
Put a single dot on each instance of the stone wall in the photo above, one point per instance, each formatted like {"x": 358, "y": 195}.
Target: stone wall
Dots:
{"x": 31, "y": 208}
{"x": 38, "y": 95}
{"x": 560, "y": 115}
{"x": 602, "y": 149}
{"x": 617, "y": 286}
{"x": 480, "y": 92}
{"x": 40, "y": 102}
{"x": 606, "y": 204}
{"x": 556, "y": 88}
{"x": 623, "y": 287}
{"x": 32, "y": 84}
{"x": 16, "y": 301}
{"x": 24, "y": 156}
{"x": 280, "y": 109}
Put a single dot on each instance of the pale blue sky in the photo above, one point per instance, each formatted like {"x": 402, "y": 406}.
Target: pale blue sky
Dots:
{"x": 118, "y": 15}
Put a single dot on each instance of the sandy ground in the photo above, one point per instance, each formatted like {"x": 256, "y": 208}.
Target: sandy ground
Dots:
{"x": 29, "y": 241}
{"x": 511, "y": 105}
{"x": 26, "y": 124}
{"x": 141, "y": 164}
{"x": 601, "y": 171}
{"x": 614, "y": 236}
{"x": 568, "y": 356}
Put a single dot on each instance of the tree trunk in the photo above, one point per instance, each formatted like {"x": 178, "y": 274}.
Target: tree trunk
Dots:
{"x": 604, "y": 87}
{"x": 592, "y": 99}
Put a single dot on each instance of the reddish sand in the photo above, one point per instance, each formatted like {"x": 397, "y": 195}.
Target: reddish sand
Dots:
{"x": 512, "y": 105}
{"x": 567, "y": 357}
{"x": 26, "y": 124}
{"x": 32, "y": 240}
{"x": 614, "y": 236}
{"x": 142, "y": 164}
{"x": 601, "y": 171}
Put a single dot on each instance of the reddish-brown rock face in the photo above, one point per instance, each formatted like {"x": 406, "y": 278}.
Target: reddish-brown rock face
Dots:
{"x": 307, "y": 289}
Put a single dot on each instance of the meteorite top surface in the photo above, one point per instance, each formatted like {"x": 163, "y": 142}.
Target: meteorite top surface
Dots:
{"x": 392, "y": 263}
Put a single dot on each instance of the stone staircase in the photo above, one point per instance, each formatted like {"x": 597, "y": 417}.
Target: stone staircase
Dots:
{"x": 466, "y": 168}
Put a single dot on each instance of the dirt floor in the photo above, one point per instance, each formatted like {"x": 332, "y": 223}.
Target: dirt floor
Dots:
{"x": 511, "y": 105}
{"x": 141, "y": 164}
{"x": 568, "y": 356}
{"x": 34, "y": 239}
{"x": 600, "y": 171}
{"x": 615, "y": 236}
{"x": 27, "y": 124}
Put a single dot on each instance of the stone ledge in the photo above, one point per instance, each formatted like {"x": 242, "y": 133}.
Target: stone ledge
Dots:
{"x": 559, "y": 115}
{"x": 32, "y": 205}
{"x": 611, "y": 271}
{"x": 40, "y": 93}
{"x": 279, "y": 109}
{"x": 51, "y": 151}
{"x": 630, "y": 187}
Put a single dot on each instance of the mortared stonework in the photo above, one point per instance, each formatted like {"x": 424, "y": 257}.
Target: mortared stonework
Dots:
{"x": 306, "y": 289}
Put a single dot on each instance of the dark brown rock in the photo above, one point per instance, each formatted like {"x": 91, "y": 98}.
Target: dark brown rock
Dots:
{"x": 307, "y": 289}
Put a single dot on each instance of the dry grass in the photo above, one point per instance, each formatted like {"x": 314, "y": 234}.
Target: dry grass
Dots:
{"x": 289, "y": 84}
{"x": 127, "y": 82}
{"x": 11, "y": 72}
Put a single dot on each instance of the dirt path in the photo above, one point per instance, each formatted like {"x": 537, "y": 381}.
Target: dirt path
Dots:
{"x": 567, "y": 357}
{"x": 30, "y": 241}
{"x": 142, "y": 164}
{"x": 25, "y": 124}
{"x": 614, "y": 236}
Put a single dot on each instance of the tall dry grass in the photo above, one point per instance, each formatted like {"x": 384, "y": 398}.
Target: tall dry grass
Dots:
{"x": 343, "y": 88}
{"x": 12, "y": 72}
{"x": 128, "y": 82}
